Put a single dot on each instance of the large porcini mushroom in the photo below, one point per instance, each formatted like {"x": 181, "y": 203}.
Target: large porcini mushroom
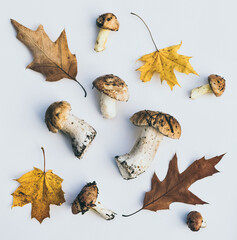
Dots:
{"x": 88, "y": 199}
{"x": 112, "y": 89}
{"x": 216, "y": 84}
{"x": 58, "y": 117}
{"x": 106, "y": 22}
{"x": 154, "y": 125}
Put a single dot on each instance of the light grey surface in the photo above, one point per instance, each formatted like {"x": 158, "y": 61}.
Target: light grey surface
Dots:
{"x": 208, "y": 32}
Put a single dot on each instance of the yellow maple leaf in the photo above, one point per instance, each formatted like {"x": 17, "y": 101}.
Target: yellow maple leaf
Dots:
{"x": 165, "y": 61}
{"x": 41, "y": 189}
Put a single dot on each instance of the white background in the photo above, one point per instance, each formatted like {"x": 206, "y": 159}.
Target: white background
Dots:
{"x": 208, "y": 32}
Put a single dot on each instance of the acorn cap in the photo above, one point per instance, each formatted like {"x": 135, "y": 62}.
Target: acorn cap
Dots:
{"x": 108, "y": 21}
{"x": 112, "y": 86}
{"x": 56, "y": 115}
{"x": 165, "y": 123}
{"x": 217, "y": 84}
{"x": 86, "y": 199}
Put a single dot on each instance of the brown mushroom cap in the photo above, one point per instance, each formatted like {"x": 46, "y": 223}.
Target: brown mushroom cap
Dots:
{"x": 217, "y": 84}
{"x": 112, "y": 86}
{"x": 86, "y": 199}
{"x": 108, "y": 21}
{"x": 194, "y": 220}
{"x": 165, "y": 123}
{"x": 56, "y": 115}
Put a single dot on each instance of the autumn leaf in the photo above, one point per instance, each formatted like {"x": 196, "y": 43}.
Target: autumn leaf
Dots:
{"x": 53, "y": 59}
{"x": 164, "y": 61}
{"x": 174, "y": 188}
{"x": 41, "y": 189}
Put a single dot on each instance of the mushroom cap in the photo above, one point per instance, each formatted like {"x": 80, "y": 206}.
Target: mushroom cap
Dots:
{"x": 108, "y": 21}
{"x": 112, "y": 86}
{"x": 165, "y": 123}
{"x": 217, "y": 84}
{"x": 194, "y": 220}
{"x": 86, "y": 199}
{"x": 56, "y": 115}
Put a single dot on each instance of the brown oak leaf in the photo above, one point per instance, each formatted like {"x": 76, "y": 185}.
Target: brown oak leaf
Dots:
{"x": 174, "y": 188}
{"x": 53, "y": 59}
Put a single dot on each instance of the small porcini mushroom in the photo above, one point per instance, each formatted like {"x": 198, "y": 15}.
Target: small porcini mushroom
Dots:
{"x": 106, "y": 22}
{"x": 58, "y": 117}
{"x": 87, "y": 199}
{"x": 216, "y": 84}
{"x": 154, "y": 126}
{"x": 112, "y": 89}
{"x": 195, "y": 221}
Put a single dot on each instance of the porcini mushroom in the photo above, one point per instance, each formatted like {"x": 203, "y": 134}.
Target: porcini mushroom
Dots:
{"x": 195, "y": 221}
{"x": 154, "y": 125}
{"x": 112, "y": 89}
{"x": 216, "y": 84}
{"x": 58, "y": 117}
{"x": 88, "y": 199}
{"x": 106, "y": 22}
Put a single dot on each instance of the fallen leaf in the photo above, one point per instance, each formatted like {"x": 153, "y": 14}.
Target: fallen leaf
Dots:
{"x": 41, "y": 189}
{"x": 174, "y": 188}
{"x": 165, "y": 61}
{"x": 53, "y": 59}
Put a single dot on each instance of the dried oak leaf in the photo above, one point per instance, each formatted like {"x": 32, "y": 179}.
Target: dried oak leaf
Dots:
{"x": 53, "y": 59}
{"x": 40, "y": 189}
{"x": 165, "y": 61}
{"x": 174, "y": 188}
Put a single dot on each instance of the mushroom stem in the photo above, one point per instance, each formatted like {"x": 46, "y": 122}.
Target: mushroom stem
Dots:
{"x": 204, "y": 223}
{"x": 101, "y": 40}
{"x": 81, "y": 134}
{"x": 107, "y": 106}
{"x": 199, "y": 91}
{"x": 143, "y": 152}
{"x": 105, "y": 213}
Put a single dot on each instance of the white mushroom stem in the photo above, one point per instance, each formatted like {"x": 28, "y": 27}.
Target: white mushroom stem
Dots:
{"x": 101, "y": 40}
{"x": 81, "y": 134}
{"x": 143, "y": 152}
{"x": 199, "y": 91}
{"x": 108, "y": 106}
{"x": 104, "y": 212}
{"x": 204, "y": 223}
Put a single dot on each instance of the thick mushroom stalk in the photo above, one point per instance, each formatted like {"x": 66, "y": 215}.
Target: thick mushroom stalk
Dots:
{"x": 199, "y": 91}
{"x": 142, "y": 154}
{"x": 101, "y": 40}
{"x": 108, "y": 106}
{"x": 154, "y": 126}
{"x": 81, "y": 134}
{"x": 216, "y": 85}
{"x": 104, "y": 212}
{"x": 58, "y": 117}
{"x": 87, "y": 199}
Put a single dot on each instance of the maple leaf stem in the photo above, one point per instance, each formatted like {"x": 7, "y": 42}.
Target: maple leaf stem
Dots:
{"x": 147, "y": 29}
{"x": 132, "y": 213}
{"x": 44, "y": 157}
{"x": 81, "y": 87}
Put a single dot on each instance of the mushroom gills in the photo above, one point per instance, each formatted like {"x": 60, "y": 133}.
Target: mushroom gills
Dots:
{"x": 101, "y": 40}
{"x": 104, "y": 212}
{"x": 199, "y": 91}
{"x": 142, "y": 154}
{"x": 81, "y": 134}
{"x": 107, "y": 106}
